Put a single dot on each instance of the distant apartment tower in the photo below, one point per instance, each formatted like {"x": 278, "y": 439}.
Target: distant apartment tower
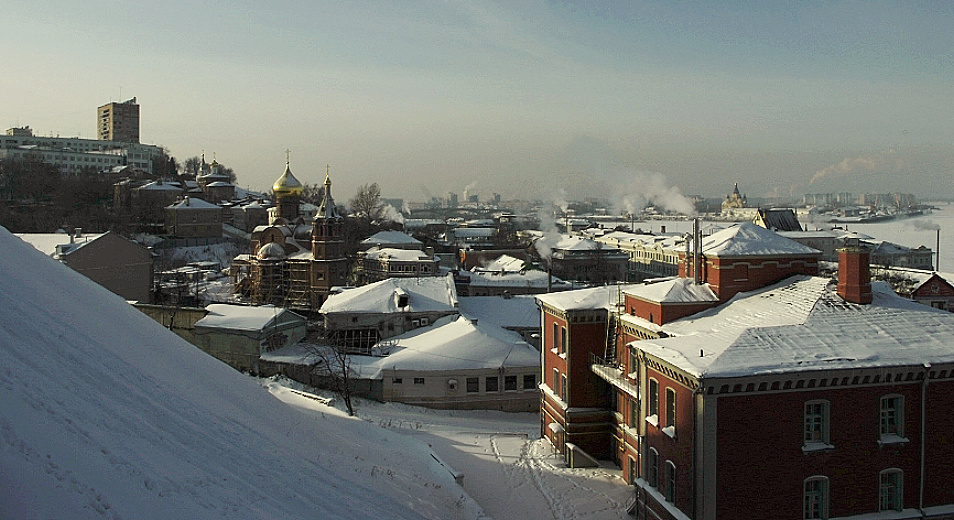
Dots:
{"x": 118, "y": 122}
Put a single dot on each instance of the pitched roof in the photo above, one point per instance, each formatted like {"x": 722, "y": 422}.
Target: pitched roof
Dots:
{"x": 519, "y": 311}
{"x": 452, "y": 345}
{"x": 779, "y": 219}
{"x": 747, "y": 239}
{"x": 425, "y": 294}
{"x": 389, "y": 237}
{"x": 801, "y": 324}
{"x": 676, "y": 290}
{"x": 245, "y": 317}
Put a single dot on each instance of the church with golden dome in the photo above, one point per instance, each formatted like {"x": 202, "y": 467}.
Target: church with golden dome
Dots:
{"x": 296, "y": 259}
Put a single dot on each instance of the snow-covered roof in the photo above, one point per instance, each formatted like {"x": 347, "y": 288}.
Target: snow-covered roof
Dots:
{"x": 159, "y": 186}
{"x": 676, "y": 290}
{"x": 424, "y": 294}
{"x": 389, "y": 237}
{"x": 603, "y": 297}
{"x": 747, "y": 239}
{"x": 454, "y": 344}
{"x": 245, "y": 317}
{"x": 519, "y": 311}
{"x": 504, "y": 263}
{"x": 408, "y": 255}
{"x": 576, "y": 243}
{"x": 530, "y": 278}
{"x": 801, "y": 324}
{"x": 46, "y": 242}
{"x": 193, "y": 203}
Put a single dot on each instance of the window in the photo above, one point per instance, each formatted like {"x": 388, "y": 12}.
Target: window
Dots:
{"x": 529, "y": 381}
{"x": 473, "y": 384}
{"x": 815, "y": 498}
{"x": 633, "y": 413}
{"x": 889, "y": 490}
{"x": 670, "y": 407}
{"x": 397, "y": 380}
{"x": 632, "y": 470}
{"x": 816, "y": 425}
{"x": 892, "y": 415}
{"x": 562, "y": 340}
{"x": 556, "y": 336}
{"x": 670, "y": 481}
{"x": 510, "y": 383}
{"x": 633, "y": 360}
{"x": 564, "y": 388}
{"x": 652, "y": 471}
{"x": 556, "y": 382}
{"x": 490, "y": 384}
{"x": 418, "y": 380}
{"x": 654, "y": 397}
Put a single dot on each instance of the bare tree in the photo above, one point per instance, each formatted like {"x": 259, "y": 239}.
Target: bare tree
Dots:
{"x": 312, "y": 193}
{"x": 333, "y": 369}
{"x": 366, "y": 204}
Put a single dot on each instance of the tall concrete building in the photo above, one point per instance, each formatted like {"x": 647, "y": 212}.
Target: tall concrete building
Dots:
{"x": 118, "y": 122}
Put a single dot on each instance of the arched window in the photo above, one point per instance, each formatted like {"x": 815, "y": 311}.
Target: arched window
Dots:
{"x": 890, "y": 487}
{"x": 670, "y": 482}
{"x": 815, "y": 498}
{"x": 652, "y": 471}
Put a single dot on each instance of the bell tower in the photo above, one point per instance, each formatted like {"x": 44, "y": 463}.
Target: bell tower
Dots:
{"x": 329, "y": 266}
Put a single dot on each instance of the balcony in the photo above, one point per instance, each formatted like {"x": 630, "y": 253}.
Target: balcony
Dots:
{"x": 611, "y": 371}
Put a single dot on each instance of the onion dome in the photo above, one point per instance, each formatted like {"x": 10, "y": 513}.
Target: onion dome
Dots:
{"x": 271, "y": 251}
{"x": 287, "y": 184}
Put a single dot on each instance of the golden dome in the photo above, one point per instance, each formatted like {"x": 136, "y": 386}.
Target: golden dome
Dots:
{"x": 287, "y": 184}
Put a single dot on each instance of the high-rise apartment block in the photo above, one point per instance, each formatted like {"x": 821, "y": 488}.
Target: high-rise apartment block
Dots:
{"x": 118, "y": 122}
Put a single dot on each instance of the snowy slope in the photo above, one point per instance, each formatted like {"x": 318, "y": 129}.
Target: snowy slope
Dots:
{"x": 105, "y": 414}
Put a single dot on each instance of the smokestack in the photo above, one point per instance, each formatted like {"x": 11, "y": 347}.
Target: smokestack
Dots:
{"x": 937, "y": 251}
{"x": 854, "y": 275}
{"x": 696, "y": 253}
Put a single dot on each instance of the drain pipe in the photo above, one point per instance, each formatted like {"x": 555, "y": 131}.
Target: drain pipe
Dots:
{"x": 924, "y": 383}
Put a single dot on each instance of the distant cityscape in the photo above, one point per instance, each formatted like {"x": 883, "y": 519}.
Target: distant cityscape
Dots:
{"x": 656, "y": 350}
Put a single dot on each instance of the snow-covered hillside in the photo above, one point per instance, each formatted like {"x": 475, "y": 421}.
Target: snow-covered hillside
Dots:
{"x": 105, "y": 414}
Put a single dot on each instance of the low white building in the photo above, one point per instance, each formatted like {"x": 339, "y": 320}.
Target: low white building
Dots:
{"x": 458, "y": 363}
{"x": 240, "y": 334}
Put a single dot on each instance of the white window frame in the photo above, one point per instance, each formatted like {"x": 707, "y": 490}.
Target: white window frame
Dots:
{"x": 815, "y": 425}
{"x": 815, "y": 498}
{"x": 653, "y": 416}
{"x": 891, "y": 489}
{"x": 891, "y": 419}
{"x": 670, "y": 411}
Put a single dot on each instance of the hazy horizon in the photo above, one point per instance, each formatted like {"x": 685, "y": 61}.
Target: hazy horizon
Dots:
{"x": 533, "y": 99}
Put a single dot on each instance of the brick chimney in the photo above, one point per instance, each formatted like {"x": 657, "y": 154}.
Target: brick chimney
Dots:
{"x": 854, "y": 276}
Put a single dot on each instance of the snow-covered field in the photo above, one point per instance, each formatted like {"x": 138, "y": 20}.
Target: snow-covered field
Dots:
{"x": 106, "y": 414}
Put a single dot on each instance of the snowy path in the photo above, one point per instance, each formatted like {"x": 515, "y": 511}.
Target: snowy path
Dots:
{"x": 507, "y": 469}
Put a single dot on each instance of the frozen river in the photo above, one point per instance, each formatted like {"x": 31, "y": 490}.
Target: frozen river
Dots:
{"x": 911, "y": 232}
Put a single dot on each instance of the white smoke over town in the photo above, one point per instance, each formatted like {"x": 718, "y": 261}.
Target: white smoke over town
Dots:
{"x": 468, "y": 189}
{"x": 388, "y": 213}
{"x": 642, "y": 189}
{"x": 887, "y": 161}
{"x": 551, "y": 235}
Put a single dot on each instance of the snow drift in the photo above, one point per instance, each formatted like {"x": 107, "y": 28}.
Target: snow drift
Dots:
{"x": 105, "y": 414}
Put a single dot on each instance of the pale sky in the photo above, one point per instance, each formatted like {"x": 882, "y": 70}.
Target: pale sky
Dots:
{"x": 548, "y": 99}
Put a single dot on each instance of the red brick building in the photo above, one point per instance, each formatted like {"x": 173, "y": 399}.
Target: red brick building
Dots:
{"x": 773, "y": 395}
